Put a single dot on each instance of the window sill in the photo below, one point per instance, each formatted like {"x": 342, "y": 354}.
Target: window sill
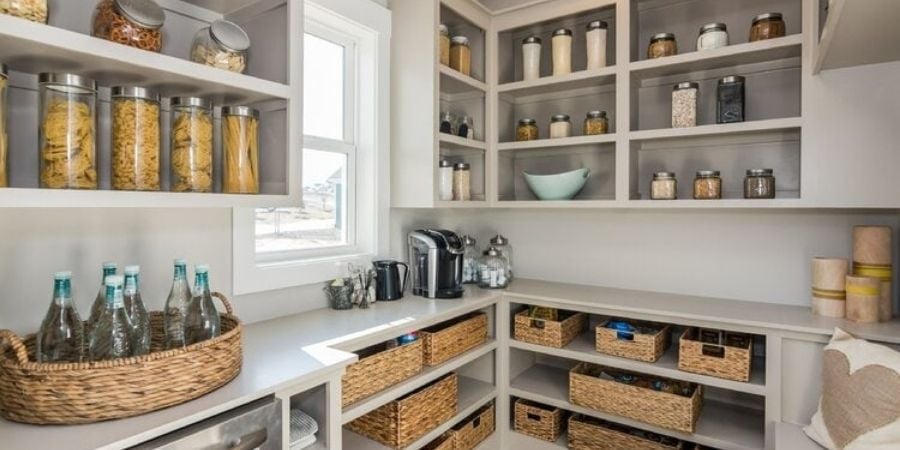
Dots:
{"x": 274, "y": 275}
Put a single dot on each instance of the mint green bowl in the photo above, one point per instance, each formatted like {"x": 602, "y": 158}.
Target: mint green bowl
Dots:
{"x": 561, "y": 186}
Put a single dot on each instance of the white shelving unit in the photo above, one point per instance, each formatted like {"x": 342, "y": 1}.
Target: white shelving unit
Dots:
{"x": 856, "y": 33}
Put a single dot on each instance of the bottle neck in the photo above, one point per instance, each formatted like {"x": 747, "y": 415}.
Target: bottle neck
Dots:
{"x": 201, "y": 284}
{"x": 114, "y": 297}
{"x": 131, "y": 284}
{"x": 106, "y": 272}
{"x": 180, "y": 273}
{"x": 62, "y": 291}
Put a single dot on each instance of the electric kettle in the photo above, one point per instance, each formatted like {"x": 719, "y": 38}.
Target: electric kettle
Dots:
{"x": 387, "y": 280}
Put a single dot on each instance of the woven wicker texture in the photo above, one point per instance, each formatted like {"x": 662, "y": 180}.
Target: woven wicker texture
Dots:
{"x": 453, "y": 338}
{"x": 474, "y": 429}
{"x": 550, "y": 333}
{"x": 586, "y": 433}
{"x": 380, "y": 371}
{"x": 78, "y": 393}
{"x": 721, "y": 361}
{"x": 663, "y": 409}
{"x": 539, "y": 421}
{"x": 444, "y": 442}
{"x": 402, "y": 421}
{"x": 642, "y": 347}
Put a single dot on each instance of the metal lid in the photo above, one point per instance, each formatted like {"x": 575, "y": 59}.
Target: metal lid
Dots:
{"x": 527, "y": 122}
{"x": 732, "y": 79}
{"x": 531, "y": 40}
{"x": 68, "y": 80}
{"x": 445, "y": 163}
{"x": 662, "y": 37}
{"x": 3, "y": 70}
{"x": 562, "y": 32}
{"x": 243, "y": 111}
{"x": 499, "y": 240}
{"x": 707, "y": 173}
{"x": 460, "y": 40}
{"x": 229, "y": 35}
{"x": 767, "y": 16}
{"x": 559, "y": 118}
{"x": 760, "y": 172}
{"x": 190, "y": 101}
{"x": 491, "y": 251}
{"x": 145, "y": 13}
{"x": 597, "y": 24}
{"x": 134, "y": 92}
{"x": 462, "y": 166}
{"x": 596, "y": 114}
{"x": 715, "y": 26}
{"x": 664, "y": 176}
{"x": 686, "y": 85}
{"x": 443, "y": 29}
{"x": 469, "y": 240}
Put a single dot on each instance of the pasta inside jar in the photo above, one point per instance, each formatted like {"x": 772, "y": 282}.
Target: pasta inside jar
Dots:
{"x": 223, "y": 45}
{"x": 33, "y": 10}
{"x": 192, "y": 145}
{"x": 136, "y": 23}
{"x": 67, "y": 132}
{"x": 240, "y": 141}
{"x": 135, "y": 139}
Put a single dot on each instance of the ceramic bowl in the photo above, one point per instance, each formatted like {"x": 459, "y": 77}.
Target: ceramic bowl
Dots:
{"x": 561, "y": 186}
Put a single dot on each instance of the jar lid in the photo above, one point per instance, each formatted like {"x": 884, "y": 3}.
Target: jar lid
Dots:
{"x": 662, "y": 37}
{"x": 527, "y": 122}
{"x": 461, "y": 40}
{"x": 134, "y": 92}
{"x": 596, "y": 114}
{"x": 531, "y": 40}
{"x": 597, "y": 25}
{"x": 190, "y": 101}
{"x": 443, "y": 29}
{"x": 715, "y": 26}
{"x": 445, "y": 163}
{"x": 491, "y": 251}
{"x": 707, "y": 173}
{"x": 686, "y": 85}
{"x": 562, "y": 32}
{"x": 760, "y": 172}
{"x": 64, "y": 275}
{"x": 767, "y": 16}
{"x": 114, "y": 280}
{"x": 229, "y": 35}
{"x": 499, "y": 240}
{"x": 201, "y": 268}
{"x": 68, "y": 80}
{"x": 560, "y": 118}
{"x": 732, "y": 79}
{"x": 145, "y": 13}
{"x": 132, "y": 270}
{"x": 109, "y": 265}
{"x": 469, "y": 240}
{"x": 243, "y": 111}
{"x": 664, "y": 176}
{"x": 462, "y": 166}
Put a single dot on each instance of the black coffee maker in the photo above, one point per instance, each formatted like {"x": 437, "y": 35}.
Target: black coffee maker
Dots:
{"x": 436, "y": 260}
{"x": 387, "y": 280}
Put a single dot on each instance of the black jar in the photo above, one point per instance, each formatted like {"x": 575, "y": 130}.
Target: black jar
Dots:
{"x": 730, "y": 100}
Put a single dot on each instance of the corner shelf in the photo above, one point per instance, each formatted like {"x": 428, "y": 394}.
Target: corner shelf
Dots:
{"x": 454, "y": 82}
{"x": 857, "y": 33}
{"x": 559, "y": 142}
{"x": 756, "y": 126}
{"x": 559, "y": 83}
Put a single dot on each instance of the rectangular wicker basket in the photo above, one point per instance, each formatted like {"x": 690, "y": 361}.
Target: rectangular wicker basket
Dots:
{"x": 720, "y": 361}
{"x": 550, "y": 333}
{"x": 642, "y": 347}
{"x": 666, "y": 410}
{"x": 402, "y": 421}
{"x": 588, "y": 433}
{"x": 474, "y": 429}
{"x": 444, "y": 442}
{"x": 380, "y": 368}
{"x": 449, "y": 339}
{"x": 538, "y": 421}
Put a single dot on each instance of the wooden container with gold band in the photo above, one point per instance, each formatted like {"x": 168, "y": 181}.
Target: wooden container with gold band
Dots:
{"x": 863, "y": 299}
{"x": 872, "y": 257}
{"x": 828, "y": 293}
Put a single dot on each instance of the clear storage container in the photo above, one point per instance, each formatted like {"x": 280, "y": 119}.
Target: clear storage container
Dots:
{"x": 560, "y": 126}
{"x": 68, "y": 127}
{"x": 708, "y": 185}
{"x": 595, "y": 42}
{"x": 759, "y": 183}
{"x": 33, "y": 10}
{"x": 531, "y": 58}
{"x": 527, "y": 130}
{"x": 135, "y": 139}
{"x": 767, "y": 26}
{"x": 493, "y": 270}
{"x": 712, "y": 36}
{"x": 4, "y": 139}
{"x": 664, "y": 186}
{"x": 470, "y": 260}
{"x": 661, "y": 45}
{"x": 444, "y": 39}
{"x": 730, "y": 102}
{"x": 462, "y": 182}
{"x": 137, "y": 23}
{"x": 240, "y": 146}
{"x": 562, "y": 51}
{"x": 596, "y": 123}
{"x": 192, "y": 145}
{"x": 684, "y": 104}
{"x": 223, "y": 45}
{"x": 461, "y": 55}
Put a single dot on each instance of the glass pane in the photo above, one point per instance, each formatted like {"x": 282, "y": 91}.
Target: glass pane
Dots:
{"x": 323, "y": 88}
{"x": 322, "y": 220}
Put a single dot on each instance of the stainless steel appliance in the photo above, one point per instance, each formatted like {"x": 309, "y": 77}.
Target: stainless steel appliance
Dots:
{"x": 436, "y": 263}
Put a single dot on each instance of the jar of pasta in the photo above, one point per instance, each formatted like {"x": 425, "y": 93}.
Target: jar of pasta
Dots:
{"x": 135, "y": 139}
{"x": 596, "y": 123}
{"x": 662, "y": 45}
{"x": 460, "y": 55}
{"x": 192, "y": 145}
{"x": 67, "y": 134}
{"x": 33, "y": 10}
{"x": 240, "y": 147}
{"x": 4, "y": 182}
{"x": 223, "y": 45}
{"x": 767, "y": 26}
{"x": 136, "y": 23}
{"x": 527, "y": 130}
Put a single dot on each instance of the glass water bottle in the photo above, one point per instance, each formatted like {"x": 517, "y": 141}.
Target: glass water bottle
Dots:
{"x": 202, "y": 320}
{"x": 137, "y": 313}
{"x": 176, "y": 306}
{"x": 112, "y": 336}
{"x": 61, "y": 337}
{"x": 109, "y": 268}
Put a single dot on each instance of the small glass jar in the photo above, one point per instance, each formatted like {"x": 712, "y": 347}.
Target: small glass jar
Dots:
{"x": 493, "y": 272}
{"x": 444, "y": 44}
{"x": 470, "y": 260}
{"x": 4, "y": 138}
{"x": 562, "y": 51}
{"x": 759, "y": 183}
{"x": 708, "y": 185}
{"x": 445, "y": 176}
{"x": 447, "y": 123}
{"x": 68, "y": 131}
{"x": 223, "y": 45}
{"x": 560, "y": 126}
{"x": 684, "y": 104}
{"x": 595, "y": 43}
{"x": 596, "y": 123}
{"x": 33, "y": 10}
{"x": 661, "y": 45}
{"x": 462, "y": 182}
{"x": 191, "y": 151}
{"x": 461, "y": 55}
{"x": 767, "y": 26}
{"x": 664, "y": 186}
{"x": 712, "y": 36}
{"x": 240, "y": 148}
{"x": 135, "y": 139}
{"x": 502, "y": 244}
{"x": 466, "y": 128}
{"x": 136, "y": 23}
{"x": 730, "y": 100}
{"x": 527, "y": 130}
{"x": 531, "y": 58}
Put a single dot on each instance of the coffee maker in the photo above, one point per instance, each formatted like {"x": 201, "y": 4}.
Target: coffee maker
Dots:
{"x": 436, "y": 263}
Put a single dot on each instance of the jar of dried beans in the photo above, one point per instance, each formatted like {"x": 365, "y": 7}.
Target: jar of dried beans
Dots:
{"x": 223, "y": 45}
{"x": 192, "y": 145}
{"x": 240, "y": 146}
{"x": 767, "y": 26}
{"x": 684, "y": 104}
{"x": 33, "y": 10}
{"x": 136, "y": 23}
{"x": 68, "y": 126}
{"x": 135, "y": 139}
{"x": 662, "y": 44}
{"x": 708, "y": 185}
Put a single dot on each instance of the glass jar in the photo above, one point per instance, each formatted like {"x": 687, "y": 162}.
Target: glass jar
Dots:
{"x": 596, "y": 123}
{"x": 527, "y": 130}
{"x": 661, "y": 45}
{"x": 466, "y": 128}
{"x": 493, "y": 272}
{"x": 502, "y": 244}
{"x": 712, "y": 36}
{"x": 562, "y": 51}
{"x": 767, "y": 26}
{"x": 68, "y": 127}
{"x": 470, "y": 260}
{"x": 759, "y": 183}
{"x": 461, "y": 55}
{"x": 462, "y": 182}
{"x": 444, "y": 44}
{"x": 192, "y": 145}
{"x": 136, "y": 23}
{"x": 531, "y": 58}
{"x": 240, "y": 148}
{"x": 4, "y": 139}
{"x": 135, "y": 139}
{"x": 664, "y": 186}
{"x": 33, "y": 10}
{"x": 684, "y": 104}
{"x": 560, "y": 126}
{"x": 223, "y": 45}
{"x": 447, "y": 123}
{"x": 708, "y": 185}
{"x": 445, "y": 174}
{"x": 730, "y": 100}
{"x": 595, "y": 41}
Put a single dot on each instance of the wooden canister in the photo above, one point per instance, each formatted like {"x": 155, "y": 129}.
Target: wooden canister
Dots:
{"x": 828, "y": 293}
{"x": 873, "y": 257}
{"x": 863, "y": 299}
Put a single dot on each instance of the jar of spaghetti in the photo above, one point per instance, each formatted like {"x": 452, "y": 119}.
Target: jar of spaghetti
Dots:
{"x": 192, "y": 145}
{"x": 240, "y": 147}
{"x": 223, "y": 45}
{"x": 33, "y": 10}
{"x": 135, "y": 139}
{"x": 136, "y": 23}
{"x": 68, "y": 127}
{"x": 767, "y": 26}
{"x": 461, "y": 55}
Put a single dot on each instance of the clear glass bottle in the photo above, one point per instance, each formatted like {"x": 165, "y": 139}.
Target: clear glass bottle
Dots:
{"x": 136, "y": 23}
{"x": 33, "y": 10}
{"x": 493, "y": 270}
{"x": 113, "y": 336}
{"x": 4, "y": 138}
{"x": 135, "y": 139}
{"x": 502, "y": 244}
{"x": 109, "y": 268}
{"x": 223, "y": 45}
{"x": 470, "y": 260}
{"x": 137, "y": 312}
{"x": 240, "y": 145}
{"x": 61, "y": 336}
{"x": 192, "y": 145}
{"x": 68, "y": 131}
{"x": 466, "y": 127}
{"x": 177, "y": 306}
{"x": 202, "y": 321}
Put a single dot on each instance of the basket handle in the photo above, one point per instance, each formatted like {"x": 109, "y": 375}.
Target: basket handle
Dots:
{"x": 224, "y": 301}
{"x": 15, "y": 342}
{"x": 713, "y": 350}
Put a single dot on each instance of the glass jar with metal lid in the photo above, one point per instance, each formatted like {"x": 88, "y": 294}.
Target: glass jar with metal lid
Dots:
{"x": 4, "y": 138}
{"x": 684, "y": 104}
{"x": 460, "y": 55}
{"x": 470, "y": 260}
{"x": 712, "y": 36}
{"x": 493, "y": 271}
{"x": 595, "y": 44}
{"x": 527, "y": 130}
{"x": 708, "y": 185}
{"x": 444, "y": 40}
{"x": 502, "y": 244}
{"x": 759, "y": 183}
{"x": 240, "y": 148}
{"x": 223, "y": 45}
{"x": 462, "y": 182}
{"x": 664, "y": 186}
{"x": 136, "y": 23}
{"x": 135, "y": 139}
{"x": 33, "y": 10}
{"x": 192, "y": 145}
{"x": 730, "y": 100}
{"x": 531, "y": 58}
{"x": 68, "y": 131}
{"x": 661, "y": 45}
{"x": 596, "y": 123}
{"x": 560, "y": 126}
{"x": 562, "y": 51}
{"x": 767, "y": 26}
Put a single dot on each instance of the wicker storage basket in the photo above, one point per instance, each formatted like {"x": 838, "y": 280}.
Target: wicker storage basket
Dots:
{"x": 446, "y": 340}
{"x": 550, "y": 333}
{"x": 379, "y": 368}
{"x": 402, "y": 421}
{"x": 79, "y": 393}
{"x": 444, "y": 442}
{"x": 663, "y": 409}
{"x": 539, "y": 421}
{"x": 642, "y": 347}
{"x": 588, "y": 433}
{"x": 475, "y": 429}
{"x": 721, "y": 361}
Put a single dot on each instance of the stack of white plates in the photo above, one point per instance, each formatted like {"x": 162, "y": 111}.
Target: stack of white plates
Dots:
{"x": 303, "y": 430}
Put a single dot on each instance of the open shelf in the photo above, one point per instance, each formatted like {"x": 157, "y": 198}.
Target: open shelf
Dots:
{"x": 454, "y": 82}
{"x": 560, "y": 83}
{"x": 521, "y": 441}
{"x": 70, "y": 198}
{"x": 559, "y": 142}
{"x": 754, "y": 126}
{"x": 451, "y": 142}
{"x": 857, "y": 33}
{"x": 600, "y": 158}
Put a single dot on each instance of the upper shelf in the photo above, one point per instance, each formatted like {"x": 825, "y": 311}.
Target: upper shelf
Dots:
{"x": 454, "y": 82}
{"x": 755, "y": 126}
{"x": 72, "y": 198}
{"x": 559, "y": 83}
{"x": 572, "y": 141}
{"x": 858, "y": 33}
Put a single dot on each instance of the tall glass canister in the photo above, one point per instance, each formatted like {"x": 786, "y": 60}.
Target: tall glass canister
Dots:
{"x": 68, "y": 130}
{"x": 135, "y": 139}
{"x": 192, "y": 145}
{"x": 4, "y": 142}
{"x": 240, "y": 146}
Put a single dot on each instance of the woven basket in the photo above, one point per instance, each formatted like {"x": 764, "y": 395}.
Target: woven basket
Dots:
{"x": 402, "y": 421}
{"x": 642, "y": 347}
{"x": 79, "y": 393}
{"x": 672, "y": 411}
{"x": 474, "y": 429}
{"x": 444, "y": 442}
{"x": 381, "y": 370}
{"x": 538, "y": 421}
{"x": 549, "y": 333}
{"x": 449, "y": 339}
{"x": 721, "y": 361}
{"x": 588, "y": 433}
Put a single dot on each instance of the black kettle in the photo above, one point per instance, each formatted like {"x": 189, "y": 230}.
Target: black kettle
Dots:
{"x": 387, "y": 280}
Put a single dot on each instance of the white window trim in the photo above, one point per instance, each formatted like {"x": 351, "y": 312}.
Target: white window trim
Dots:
{"x": 372, "y": 178}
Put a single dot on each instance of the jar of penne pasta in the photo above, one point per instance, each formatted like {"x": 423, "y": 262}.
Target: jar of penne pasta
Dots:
{"x": 192, "y": 145}
{"x": 135, "y": 139}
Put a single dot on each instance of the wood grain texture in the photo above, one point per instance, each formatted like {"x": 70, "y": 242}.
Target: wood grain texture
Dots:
{"x": 863, "y": 299}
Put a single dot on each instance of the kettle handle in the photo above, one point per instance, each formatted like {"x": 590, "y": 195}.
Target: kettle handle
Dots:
{"x": 405, "y": 276}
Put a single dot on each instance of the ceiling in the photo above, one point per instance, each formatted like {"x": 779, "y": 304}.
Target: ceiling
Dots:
{"x": 499, "y": 5}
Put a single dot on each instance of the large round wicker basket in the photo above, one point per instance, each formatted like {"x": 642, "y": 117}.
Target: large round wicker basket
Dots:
{"x": 77, "y": 393}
